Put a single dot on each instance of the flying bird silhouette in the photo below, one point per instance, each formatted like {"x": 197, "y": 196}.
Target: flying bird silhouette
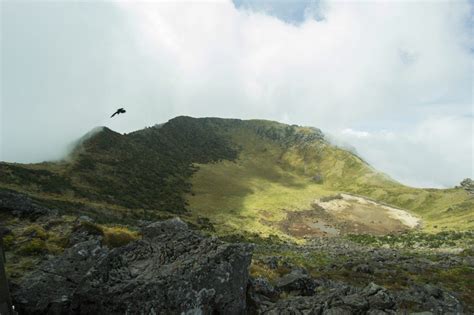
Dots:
{"x": 119, "y": 111}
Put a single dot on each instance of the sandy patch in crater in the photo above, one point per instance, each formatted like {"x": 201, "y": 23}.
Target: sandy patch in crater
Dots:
{"x": 347, "y": 214}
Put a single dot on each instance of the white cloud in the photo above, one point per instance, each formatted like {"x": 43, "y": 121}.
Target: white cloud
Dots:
{"x": 366, "y": 67}
{"x": 355, "y": 133}
{"x": 437, "y": 152}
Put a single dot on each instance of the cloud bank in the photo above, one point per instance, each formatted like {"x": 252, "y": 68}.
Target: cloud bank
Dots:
{"x": 393, "y": 79}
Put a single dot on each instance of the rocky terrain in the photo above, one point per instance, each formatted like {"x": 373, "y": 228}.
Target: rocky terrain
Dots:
{"x": 174, "y": 269}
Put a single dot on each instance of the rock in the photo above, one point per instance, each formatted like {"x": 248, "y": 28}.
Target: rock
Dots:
{"x": 429, "y": 298}
{"x": 172, "y": 270}
{"x": 468, "y": 185}
{"x": 294, "y": 305}
{"x": 21, "y": 205}
{"x": 296, "y": 282}
{"x": 261, "y": 286}
{"x": 381, "y": 300}
{"x": 260, "y": 295}
{"x": 377, "y": 312}
{"x": 433, "y": 291}
{"x": 371, "y": 289}
{"x": 363, "y": 268}
{"x": 338, "y": 311}
{"x": 271, "y": 262}
{"x": 355, "y": 301}
{"x": 51, "y": 286}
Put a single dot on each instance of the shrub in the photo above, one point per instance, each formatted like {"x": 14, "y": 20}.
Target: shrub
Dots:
{"x": 8, "y": 241}
{"x": 34, "y": 246}
{"x": 260, "y": 270}
{"x": 90, "y": 228}
{"x": 36, "y": 231}
{"x": 119, "y": 236}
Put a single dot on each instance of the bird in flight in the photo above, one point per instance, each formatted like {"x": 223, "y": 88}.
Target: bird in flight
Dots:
{"x": 119, "y": 111}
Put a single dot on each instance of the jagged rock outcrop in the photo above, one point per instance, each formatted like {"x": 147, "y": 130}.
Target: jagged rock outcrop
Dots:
{"x": 468, "y": 185}
{"x": 172, "y": 270}
{"x": 296, "y": 282}
{"x": 338, "y": 298}
{"x": 48, "y": 290}
{"x": 21, "y": 205}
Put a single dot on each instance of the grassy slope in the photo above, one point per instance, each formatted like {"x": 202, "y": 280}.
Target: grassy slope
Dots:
{"x": 269, "y": 177}
{"x": 149, "y": 172}
{"x": 145, "y": 170}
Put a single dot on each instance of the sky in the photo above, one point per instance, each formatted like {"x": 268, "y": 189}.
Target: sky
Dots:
{"x": 392, "y": 79}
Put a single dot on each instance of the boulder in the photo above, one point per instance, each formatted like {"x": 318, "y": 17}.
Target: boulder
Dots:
{"x": 171, "y": 270}
{"x": 48, "y": 290}
{"x": 296, "y": 282}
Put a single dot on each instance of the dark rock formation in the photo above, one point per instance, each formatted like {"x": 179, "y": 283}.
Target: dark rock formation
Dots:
{"x": 296, "y": 282}
{"x": 172, "y": 270}
{"x": 48, "y": 290}
{"x": 21, "y": 205}
{"x": 468, "y": 185}
{"x": 339, "y": 298}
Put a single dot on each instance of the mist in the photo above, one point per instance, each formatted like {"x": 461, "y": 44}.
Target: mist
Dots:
{"x": 392, "y": 79}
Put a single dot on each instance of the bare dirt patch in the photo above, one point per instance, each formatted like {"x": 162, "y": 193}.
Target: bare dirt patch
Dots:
{"x": 347, "y": 214}
{"x": 308, "y": 223}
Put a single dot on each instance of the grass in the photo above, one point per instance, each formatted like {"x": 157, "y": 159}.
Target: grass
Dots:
{"x": 112, "y": 235}
{"x": 31, "y": 242}
{"x": 240, "y": 175}
{"x": 238, "y": 194}
{"x": 117, "y": 236}
{"x": 272, "y": 176}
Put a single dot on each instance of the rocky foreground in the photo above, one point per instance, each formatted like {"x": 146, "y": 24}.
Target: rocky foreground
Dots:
{"x": 174, "y": 269}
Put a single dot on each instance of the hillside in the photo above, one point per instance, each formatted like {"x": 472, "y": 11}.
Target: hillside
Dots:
{"x": 324, "y": 226}
{"x": 237, "y": 174}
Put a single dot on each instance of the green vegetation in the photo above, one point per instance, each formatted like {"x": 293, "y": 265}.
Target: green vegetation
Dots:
{"x": 117, "y": 236}
{"x": 112, "y": 236}
{"x": 242, "y": 181}
{"x": 239, "y": 175}
{"x": 30, "y": 242}
{"x": 275, "y": 172}
{"x": 445, "y": 239}
{"x": 147, "y": 169}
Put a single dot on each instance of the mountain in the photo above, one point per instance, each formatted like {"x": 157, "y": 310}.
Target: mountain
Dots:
{"x": 272, "y": 218}
{"x": 249, "y": 175}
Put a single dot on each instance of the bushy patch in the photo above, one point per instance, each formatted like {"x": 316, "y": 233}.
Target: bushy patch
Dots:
{"x": 260, "y": 270}
{"x": 36, "y": 231}
{"x": 118, "y": 236}
{"x": 8, "y": 241}
{"x": 113, "y": 236}
{"x": 34, "y": 246}
{"x": 90, "y": 228}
